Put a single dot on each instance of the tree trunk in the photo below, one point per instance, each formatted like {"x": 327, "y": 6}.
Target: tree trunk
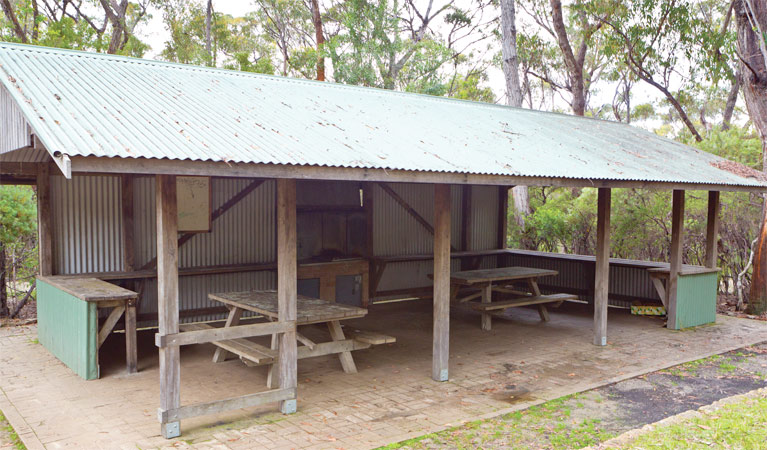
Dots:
{"x": 3, "y": 287}
{"x": 11, "y": 15}
{"x": 751, "y": 16}
{"x": 514, "y": 95}
{"x": 208, "y": 17}
{"x": 574, "y": 65}
{"x": 732, "y": 98}
{"x": 320, "y": 37}
{"x": 510, "y": 58}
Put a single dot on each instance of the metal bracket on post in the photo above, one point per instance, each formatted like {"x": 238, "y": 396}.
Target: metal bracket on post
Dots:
{"x": 171, "y": 430}
{"x": 288, "y": 406}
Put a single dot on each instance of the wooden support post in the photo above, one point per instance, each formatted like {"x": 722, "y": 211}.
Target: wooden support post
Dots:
{"x": 602, "y": 269}
{"x": 503, "y": 216}
{"x": 287, "y": 289}
{"x": 466, "y": 222}
{"x": 44, "y": 225}
{"x": 131, "y": 347}
{"x": 167, "y": 299}
{"x": 441, "y": 329}
{"x": 126, "y": 188}
{"x": 712, "y": 229}
{"x": 677, "y": 241}
{"x": 367, "y": 205}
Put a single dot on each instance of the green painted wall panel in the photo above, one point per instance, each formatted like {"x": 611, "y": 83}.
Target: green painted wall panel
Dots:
{"x": 68, "y": 328}
{"x": 696, "y": 300}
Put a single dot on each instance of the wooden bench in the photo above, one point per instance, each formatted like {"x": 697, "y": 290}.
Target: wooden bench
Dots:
{"x": 254, "y": 354}
{"x": 310, "y": 311}
{"x": 524, "y": 301}
{"x": 502, "y": 281}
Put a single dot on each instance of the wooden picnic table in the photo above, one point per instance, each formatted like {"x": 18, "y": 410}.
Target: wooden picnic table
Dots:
{"x": 309, "y": 311}
{"x": 504, "y": 280}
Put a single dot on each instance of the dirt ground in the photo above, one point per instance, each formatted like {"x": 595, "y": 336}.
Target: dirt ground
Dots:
{"x": 728, "y": 304}
{"x": 595, "y": 416}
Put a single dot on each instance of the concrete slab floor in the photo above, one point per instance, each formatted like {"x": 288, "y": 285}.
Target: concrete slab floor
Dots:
{"x": 521, "y": 362}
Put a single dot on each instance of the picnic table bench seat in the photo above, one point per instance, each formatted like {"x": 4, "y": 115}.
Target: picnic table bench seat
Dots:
{"x": 523, "y": 301}
{"x": 309, "y": 311}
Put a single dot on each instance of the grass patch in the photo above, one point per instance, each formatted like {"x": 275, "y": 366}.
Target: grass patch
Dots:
{"x": 549, "y": 425}
{"x": 727, "y": 367}
{"x": 11, "y": 433}
{"x": 691, "y": 368}
{"x": 737, "y": 425}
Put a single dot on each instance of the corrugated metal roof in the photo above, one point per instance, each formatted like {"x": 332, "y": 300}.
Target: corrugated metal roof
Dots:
{"x": 86, "y": 104}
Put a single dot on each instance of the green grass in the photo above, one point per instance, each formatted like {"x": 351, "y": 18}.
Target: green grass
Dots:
{"x": 549, "y": 425}
{"x": 8, "y": 429}
{"x": 741, "y": 425}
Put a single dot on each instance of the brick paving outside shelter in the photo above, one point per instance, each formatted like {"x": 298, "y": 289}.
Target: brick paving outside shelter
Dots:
{"x": 521, "y": 362}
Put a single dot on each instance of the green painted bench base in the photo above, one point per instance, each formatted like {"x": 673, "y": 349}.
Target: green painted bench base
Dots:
{"x": 68, "y": 328}
{"x": 696, "y": 300}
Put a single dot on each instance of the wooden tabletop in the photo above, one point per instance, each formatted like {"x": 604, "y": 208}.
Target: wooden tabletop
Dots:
{"x": 309, "y": 310}
{"x": 499, "y": 274}
{"x": 89, "y": 289}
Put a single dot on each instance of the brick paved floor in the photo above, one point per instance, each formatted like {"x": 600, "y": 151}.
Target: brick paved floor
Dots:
{"x": 521, "y": 362}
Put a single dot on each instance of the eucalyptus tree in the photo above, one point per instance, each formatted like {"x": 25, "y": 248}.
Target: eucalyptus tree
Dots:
{"x": 576, "y": 34}
{"x": 404, "y": 46}
{"x": 220, "y": 40}
{"x": 103, "y": 26}
{"x": 681, "y": 48}
{"x": 751, "y": 19}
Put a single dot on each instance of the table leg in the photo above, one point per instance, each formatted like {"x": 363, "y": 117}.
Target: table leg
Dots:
{"x": 232, "y": 320}
{"x": 337, "y": 334}
{"x": 542, "y": 311}
{"x": 487, "y": 319}
{"x": 271, "y": 376}
{"x": 454, "y": 288}
{"x": 131, "y": 350}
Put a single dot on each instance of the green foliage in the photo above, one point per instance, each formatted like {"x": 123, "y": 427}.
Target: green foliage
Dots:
{"x": 18, "y": 214}
{"x": 239, "y": 39}
{"x": 564, "y": 220}
{"x": 71, "y": 30}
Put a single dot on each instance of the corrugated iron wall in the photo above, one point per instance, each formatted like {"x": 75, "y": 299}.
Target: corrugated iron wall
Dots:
{"x": 396, "y": 232}
{"x": 14, "y": 131}
{"x": 628, "y": 282}
{"x": 88, "y": 236}
{"x": 484, "y": 222}
{"x": 244, "y": 234}
{"x": 87, "y": 220}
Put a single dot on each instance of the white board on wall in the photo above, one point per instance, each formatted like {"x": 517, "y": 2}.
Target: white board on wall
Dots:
{"x": 193, "y": 194}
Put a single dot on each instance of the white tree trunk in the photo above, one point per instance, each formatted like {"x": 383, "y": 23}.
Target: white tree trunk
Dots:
{"x": 513, "y": 93}
{"x": 509, "y": 48}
